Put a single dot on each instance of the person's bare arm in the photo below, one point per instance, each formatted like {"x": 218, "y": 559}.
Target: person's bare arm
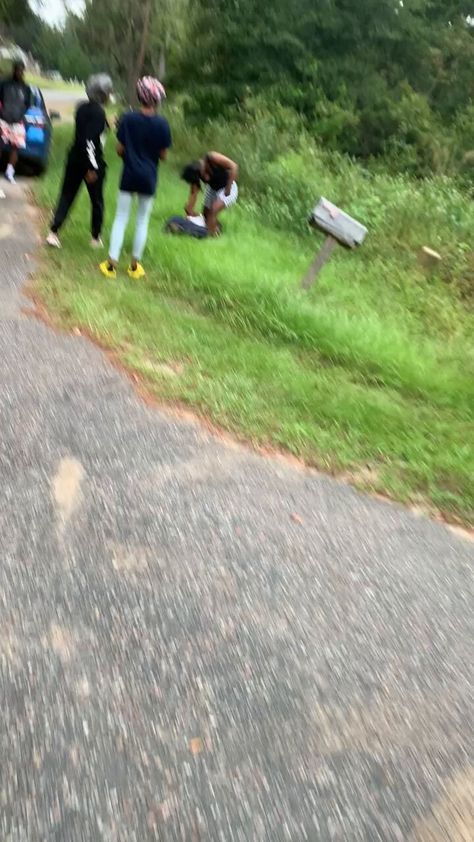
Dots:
{"x": 163, "y": 154}
{"x": 191, "y": 203}
{"x": 120, "y": 149}
{"x": 229, "y": 165}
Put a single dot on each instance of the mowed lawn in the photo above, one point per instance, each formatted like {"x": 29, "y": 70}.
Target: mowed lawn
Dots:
{"x": 360, "y": 377}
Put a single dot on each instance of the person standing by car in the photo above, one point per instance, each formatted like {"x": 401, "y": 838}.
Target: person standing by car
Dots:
{"x": 15, "y": 99}
{"x": 85, "y": 161}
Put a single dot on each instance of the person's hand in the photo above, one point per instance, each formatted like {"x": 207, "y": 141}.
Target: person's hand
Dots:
{"x": 227, "y": 190}
{"x": 91, "y": 177}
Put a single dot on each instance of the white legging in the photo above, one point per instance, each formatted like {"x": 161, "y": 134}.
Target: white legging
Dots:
{"x": 124, "y": 206}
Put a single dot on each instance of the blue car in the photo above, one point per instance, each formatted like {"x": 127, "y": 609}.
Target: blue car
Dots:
{"x": 38, "y": 134}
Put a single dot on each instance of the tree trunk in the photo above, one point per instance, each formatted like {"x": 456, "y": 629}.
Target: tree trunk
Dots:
{"x": 145, "y": 37}
{"x": 162, "y": 65}
{"x": 131, "y": 82}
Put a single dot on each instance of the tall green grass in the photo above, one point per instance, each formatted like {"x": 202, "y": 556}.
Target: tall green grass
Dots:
{"x": 375, "y": 365}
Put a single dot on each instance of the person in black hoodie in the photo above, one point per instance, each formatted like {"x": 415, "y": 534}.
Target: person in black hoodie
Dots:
{"x": 15, "y": 99}
{"x": 85, "y": 161}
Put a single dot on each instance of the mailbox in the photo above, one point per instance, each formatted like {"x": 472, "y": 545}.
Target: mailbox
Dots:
{"x": 340, "y": 229}
{"x": 333, "y": 221}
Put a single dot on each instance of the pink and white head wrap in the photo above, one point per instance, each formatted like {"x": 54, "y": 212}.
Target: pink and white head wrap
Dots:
{"x": 150, "y": 91}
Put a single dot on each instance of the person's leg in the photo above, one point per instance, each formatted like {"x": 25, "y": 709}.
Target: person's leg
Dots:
{"x": 96, "y": 194}
{"x": 69, "y": 190}
{"x": 12, "y": 136}
{"x": 210, "y": 197}
{"x": 211, "y": 218}
{"x": 11, "y": 164}
{"x": 17, "y": 140}
{"x": 221, "y": 202}
{"x": 145, "y": 207}
{"x": 119, "y": 227}
{"x": 212, "y": 206}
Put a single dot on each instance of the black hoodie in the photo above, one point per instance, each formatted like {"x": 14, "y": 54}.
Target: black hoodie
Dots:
{"x": 91, "y": 123}
{"x": 15, "y": 97}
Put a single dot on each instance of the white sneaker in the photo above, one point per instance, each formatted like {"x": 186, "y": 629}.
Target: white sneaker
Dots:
{"x": 53, "y": 240}
{"x": 96, "y": 243}
{"x": 10, "y": 174}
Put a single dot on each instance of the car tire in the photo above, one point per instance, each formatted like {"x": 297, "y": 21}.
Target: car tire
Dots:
{"x": 34, "y": 168}
{"x": 39, "y": 168}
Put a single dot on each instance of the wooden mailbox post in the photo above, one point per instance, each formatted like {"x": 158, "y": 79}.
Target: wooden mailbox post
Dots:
{"x": 340, "y": 229}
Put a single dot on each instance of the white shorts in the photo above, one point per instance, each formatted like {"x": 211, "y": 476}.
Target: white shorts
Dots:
{"x": 212, "y": 196}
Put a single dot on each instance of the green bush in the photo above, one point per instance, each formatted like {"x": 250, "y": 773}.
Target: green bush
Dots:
{"x": 283, "y": 171}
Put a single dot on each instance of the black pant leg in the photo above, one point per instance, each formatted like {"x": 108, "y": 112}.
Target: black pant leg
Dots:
{"x": 73, "y": 176}
{"x": 96, "y": 193}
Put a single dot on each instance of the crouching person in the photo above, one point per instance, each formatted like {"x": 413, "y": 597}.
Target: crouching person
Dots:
{"x": 219, "y": 176}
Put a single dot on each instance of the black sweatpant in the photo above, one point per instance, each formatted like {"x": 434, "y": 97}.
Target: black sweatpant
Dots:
{"x": 74, "y": 175}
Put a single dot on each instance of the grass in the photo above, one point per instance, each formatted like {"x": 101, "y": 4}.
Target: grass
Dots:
{"x": 369, "y": 375}
{"x": 41, "y": 81}
{"x": 54, "y": 84}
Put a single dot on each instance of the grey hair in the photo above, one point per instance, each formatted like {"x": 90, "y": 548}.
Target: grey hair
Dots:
{"x": 99, "y": 87}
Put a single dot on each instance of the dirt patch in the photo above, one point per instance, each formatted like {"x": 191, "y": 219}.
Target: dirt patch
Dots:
{"x": 168, "y": 369}
{"x": 129, "y": 560}
{"x": 60, "y": 641}
{"x": 452, "y": 817}
{"x": 66, "y": 487}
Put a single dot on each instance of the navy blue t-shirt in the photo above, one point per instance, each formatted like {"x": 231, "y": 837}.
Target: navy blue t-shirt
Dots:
{"x": 143, "y": 137}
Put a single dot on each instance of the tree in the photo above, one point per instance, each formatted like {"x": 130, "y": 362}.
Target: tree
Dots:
{"x": 371, "y": 78}
{"x": 348, "y": 69}
{"x": 14, "y": 12}
{"x": 137, "y": 33}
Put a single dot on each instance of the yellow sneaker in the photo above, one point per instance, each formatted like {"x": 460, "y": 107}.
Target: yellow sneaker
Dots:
{"x": 137, "y": 273}
{"x": 107, "y": 271}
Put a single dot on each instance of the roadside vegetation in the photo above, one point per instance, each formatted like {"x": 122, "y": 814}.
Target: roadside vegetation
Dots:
{"x": 42, "y": 81}
{"x": 369, "y": 375}
{"x": 54, "y": 84}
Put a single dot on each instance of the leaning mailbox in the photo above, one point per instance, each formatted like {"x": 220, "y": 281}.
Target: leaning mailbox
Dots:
{"x": 340, "y": 229}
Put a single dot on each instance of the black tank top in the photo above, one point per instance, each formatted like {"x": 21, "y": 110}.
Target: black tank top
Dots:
{"x": 218, "y": 176}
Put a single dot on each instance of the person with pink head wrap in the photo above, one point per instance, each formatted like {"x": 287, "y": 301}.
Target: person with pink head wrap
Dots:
{"x": 144, "y": 138}
{"x": 150, "y": 91}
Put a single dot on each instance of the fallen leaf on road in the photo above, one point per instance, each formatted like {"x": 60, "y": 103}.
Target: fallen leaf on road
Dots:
{"x": 196, "y": 745}
{"x": 151, "y": 819}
